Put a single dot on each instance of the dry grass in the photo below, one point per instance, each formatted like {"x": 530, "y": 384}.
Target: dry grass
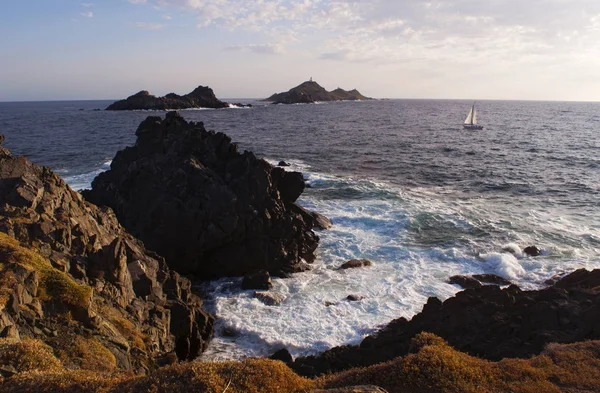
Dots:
{"x": 87, "y": 354}
{"x": 249, "y": 376}
{"x": 128, "y": 330}
{"x": 437, "y": 367}
{"x": 67, "y": 381}
{"x": 28, "y": 355}
{"x": 54, "y": 284}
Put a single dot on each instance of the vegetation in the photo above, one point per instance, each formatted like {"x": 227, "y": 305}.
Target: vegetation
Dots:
{"x": 54, "y": 284}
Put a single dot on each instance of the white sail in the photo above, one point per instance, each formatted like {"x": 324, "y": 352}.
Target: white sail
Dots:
{"x": 474, "y": 115}
{"x": 469, "y": 119}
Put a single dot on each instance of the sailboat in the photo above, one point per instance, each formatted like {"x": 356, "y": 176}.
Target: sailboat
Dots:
{"x": 471, "y": 120}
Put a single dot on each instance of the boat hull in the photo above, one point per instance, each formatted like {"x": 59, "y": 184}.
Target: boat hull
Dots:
{"x": 472, "y": 127}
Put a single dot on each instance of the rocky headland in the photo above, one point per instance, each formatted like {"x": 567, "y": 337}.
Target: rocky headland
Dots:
{"x": 201, "y": 97}
{"x": 72, "y": 278}
{"x": 310, "y": 92}
{"x": 210, "y": 210}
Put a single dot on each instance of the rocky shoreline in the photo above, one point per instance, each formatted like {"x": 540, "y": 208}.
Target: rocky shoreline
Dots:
{"x": 78, "y": 288}
{"x": 310, "y": 92}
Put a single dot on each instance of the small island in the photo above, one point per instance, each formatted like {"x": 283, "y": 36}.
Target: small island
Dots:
{"x": 201, "y": 97}
{"x": 310, "y": 92}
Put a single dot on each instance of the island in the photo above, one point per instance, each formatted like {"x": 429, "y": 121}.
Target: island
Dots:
{"x": 310, "y": 92}
{"x": 201, "y": 97}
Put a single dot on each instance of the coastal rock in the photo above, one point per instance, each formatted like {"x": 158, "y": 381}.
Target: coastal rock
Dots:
{"x": 310, "y": 92}
{"x": 491, "y": 279}
{"x": 270, "y": 298}
{"x": 283, "y": 163}
{"x": 283, "y": 355}
{"x": 487, "y": 322}
{"x": 320, "y": 221}
{"x": 356, "y": 263}
{"x": 257, "y": 280}
{"x": 201, "y": 97}
{"x": 465, "y": 282}
{"x": 211, "y": 211}
{"x": 64, "y": 256}
{"x": 354, "y": 298}
{"x": 532, "y": 251}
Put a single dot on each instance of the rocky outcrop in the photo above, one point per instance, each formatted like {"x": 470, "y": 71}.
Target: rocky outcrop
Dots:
{"x": 201, "y": 97}
{"x": 208, "y": 209}
{"x": 69, "y": 272}
{"x": 356, "y": 263}
{"x": 487, "y": 322}
{"x": 310, "y": 92}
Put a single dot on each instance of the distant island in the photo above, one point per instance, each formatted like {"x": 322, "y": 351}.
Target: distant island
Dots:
{"x": 310, "y": 92}
{"x": 201, "y": 97}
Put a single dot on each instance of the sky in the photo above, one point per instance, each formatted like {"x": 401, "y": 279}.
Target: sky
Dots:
{"x": 464, "y": 49}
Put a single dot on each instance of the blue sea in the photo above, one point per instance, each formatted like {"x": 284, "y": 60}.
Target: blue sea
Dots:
{"x": 405, "y": 186}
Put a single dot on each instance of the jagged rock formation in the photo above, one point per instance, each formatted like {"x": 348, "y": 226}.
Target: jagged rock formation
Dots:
{"x": 201, "y": 97}
{"x": 208, "y": 209}
{"x": 487, "y": 322}
{"x": 310, "y": 92}
{"x": 71, "y": 276}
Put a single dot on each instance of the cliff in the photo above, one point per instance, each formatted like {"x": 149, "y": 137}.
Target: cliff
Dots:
{"x": 208, "y": 209}
{"x": 310, "y": 92}
{"x": 73, "y": 278}
{"x": 201, "y": 97}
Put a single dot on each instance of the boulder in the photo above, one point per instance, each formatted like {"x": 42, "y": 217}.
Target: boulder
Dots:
{"x": 354, "y": 298}
{"x": 211, "y": 211}
{"x": 532, "y": 251}
{"x": 320, "y": 221}
{"x": 282, "y": 355}
{"x": 270, "y": 298}
{"x": 356, "y": 263}
{"x": 488, "y": 322}
{"x": 65, "y": 256}
{"x": 491, "y": 279}
{"x": 464, "y": 282}
{"x": 283, "y": 163}
{"x": 257, "y": 280}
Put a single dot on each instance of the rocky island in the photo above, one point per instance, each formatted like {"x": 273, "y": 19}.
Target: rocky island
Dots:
{"x": 201, "y": 97}
{"x": 310, "y": 92}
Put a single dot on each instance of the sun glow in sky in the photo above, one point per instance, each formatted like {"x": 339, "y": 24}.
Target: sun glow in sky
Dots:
{"x": 474, "y": 49}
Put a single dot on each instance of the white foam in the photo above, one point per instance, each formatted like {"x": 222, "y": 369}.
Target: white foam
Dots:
{"x": 505, "y": 265}
{"x": 83, "y": 181}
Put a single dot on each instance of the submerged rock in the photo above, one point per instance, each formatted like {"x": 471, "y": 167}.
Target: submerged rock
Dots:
{"x": 487, "y": 322}
{"x": 465, "y": 282}
{"x": 270, "y": 298}
{"x": 356, "y": 263}
{"x": 257, "y": 280}
{"x": 532, "y": 251}
{"x": 208, "y": 209}
{"x": 64, "y": 256}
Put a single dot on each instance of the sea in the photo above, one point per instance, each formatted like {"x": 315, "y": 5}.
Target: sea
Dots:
{"x": 404, "y": 185}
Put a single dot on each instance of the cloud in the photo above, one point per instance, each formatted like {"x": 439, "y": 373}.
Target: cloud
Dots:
{"x": 88, "y": 14}
{"x": 87, "y": 5}
{"x": 138, "y": 1}
{"x": 149, "y": 26}
{"x": 167, "y": 17}
{"x": 263, "y": 49}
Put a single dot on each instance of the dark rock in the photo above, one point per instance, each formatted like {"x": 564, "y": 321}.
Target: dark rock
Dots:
{"x": 270, "y": 298}
{"x": 229, "y": 332}
{"x": 320, "y": 221}
{"x": 283, "y": 163}
{"x": 210, "y": 211}
{"x": 283, "y": 355}
{"x": 532, "y": 251}
{"x": 329, "y": 304}
{"x": 465, "y": 282}
{"x": 487, "y": 322}
{"x": 491, "y": 279}
{"x": 355, "y": 263}
{"x": 7, "y": 370}
{"x": 257, "y": 280}
{"x": 98, "y": 264}
{"x": 354, "y": 298}
{"x": 201, "y": 97}
{"x": 310, "y": 92}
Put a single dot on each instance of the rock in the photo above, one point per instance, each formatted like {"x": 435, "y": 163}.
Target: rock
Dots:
{"x": 465, "y": 282}
{"x": 201, "y": 97}
{"x": 355, "y": 263}
{"x": 491, "y": 279}
{"x": 190, "y": 196}
{"x": 532, "y": 251}
{"x": 354, "y": 298}
{"x": 257, "y": 280}
{"x": 7, "y": 370}
{"x": 320, "y": 221}
{"x": 310, "y": 92}
{"x": 283, "y": 163}
{"x": 270, "y": 298}
{"x": 283, "y": 355}
{"x": 91, "y": 268}
{"x": 329, "y": 304}
{"x": 352, "y": 389}
{"x": 488, "y": 322}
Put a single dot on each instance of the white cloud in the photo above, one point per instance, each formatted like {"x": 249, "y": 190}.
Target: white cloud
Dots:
{"x": 138, "y": 1}
{"x": 167, "y": 17}
{"x": 87, "y": 5}
{"x": 88, "y": 14}
{"x": 149, "y": 26}
{"x": 263, "y": 49}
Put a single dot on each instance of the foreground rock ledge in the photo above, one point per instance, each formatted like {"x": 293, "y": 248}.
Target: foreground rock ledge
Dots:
{"x": 208, "y": 209}
{"x": 72, "y": 277}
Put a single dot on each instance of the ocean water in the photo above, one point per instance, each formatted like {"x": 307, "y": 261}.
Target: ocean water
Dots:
{"x": 405, "y": 186}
